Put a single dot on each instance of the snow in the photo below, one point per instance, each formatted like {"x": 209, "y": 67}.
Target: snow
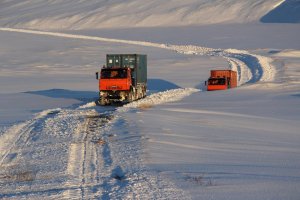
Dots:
{"x": 160, "y": 98}
{"x": 289, "y": 53}
{"x": 267, "y": 72}
{"x": 278, "y": 4}
{"x": 88, "y": 105}
{"x": 180, "y": 142}
{"x": 21, "y": 106}
{"x": 239, "y": 36}
{"x": 78, "y": 14}
{"x": 240, "y": 146}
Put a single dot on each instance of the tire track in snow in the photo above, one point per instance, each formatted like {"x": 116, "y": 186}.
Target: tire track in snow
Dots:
{"x": 20, "y": 131}
{"x": 40, "y": 147}
{"x": 244, "y": 73}
{"x": 63, "y": 149}
{"x": 260, "y": 66}
{"x": 80, "y": 167}
{"x": 100, "y": 174}
{"x": 19, "y": 169}
{"x": 88, "y": 158}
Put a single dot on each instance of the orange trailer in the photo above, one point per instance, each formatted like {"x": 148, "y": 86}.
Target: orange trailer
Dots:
{"x": 221, "y": 80}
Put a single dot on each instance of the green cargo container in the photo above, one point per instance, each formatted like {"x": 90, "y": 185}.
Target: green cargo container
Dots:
{"x": 137, "y": 62}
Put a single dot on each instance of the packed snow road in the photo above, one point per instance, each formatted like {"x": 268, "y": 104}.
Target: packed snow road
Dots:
{"x": 74, "y": 153}
{"x": 42, "y": 150}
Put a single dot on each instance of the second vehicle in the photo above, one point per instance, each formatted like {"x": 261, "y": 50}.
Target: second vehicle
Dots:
{"x": 221, "y": 80}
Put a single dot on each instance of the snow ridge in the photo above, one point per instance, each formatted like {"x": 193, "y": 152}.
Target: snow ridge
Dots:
{"x": 160, "y": 98}
{"x": 87, "y": 105}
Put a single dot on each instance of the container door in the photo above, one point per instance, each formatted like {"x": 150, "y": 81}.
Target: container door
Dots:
{"x": 142, "y": 68}
{"x": 129, "y": 61}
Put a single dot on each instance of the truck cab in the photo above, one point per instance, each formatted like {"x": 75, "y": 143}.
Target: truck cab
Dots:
{"x": 123, "y": 78}
{"x": 115, "y": 79}
{"x": 221, "y": 80}
{"x": 217, "y": 84}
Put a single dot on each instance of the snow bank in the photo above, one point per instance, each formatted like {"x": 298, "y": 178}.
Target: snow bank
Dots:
{"x": 88, "y": 105}
{"x": 263, "y": 69}
{"x": 47, "y": 112}
{"x": 7, "y": 138}
{"x": 269, "y": 70}
{"x": 289, "y": 53}
{"x": 160, "y": 98}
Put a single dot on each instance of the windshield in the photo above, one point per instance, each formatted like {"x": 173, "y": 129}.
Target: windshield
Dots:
{"x": 216, "y": 81}
{"x": 113, "y": 73}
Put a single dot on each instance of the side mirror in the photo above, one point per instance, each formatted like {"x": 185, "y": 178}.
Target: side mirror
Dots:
{"x": 97, "y": 75}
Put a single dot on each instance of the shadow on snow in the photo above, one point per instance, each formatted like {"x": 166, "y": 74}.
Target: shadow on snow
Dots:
{"x": 287, "y": 12}
{"x": 66, "y": 94}
{"x": 153, "y": 85}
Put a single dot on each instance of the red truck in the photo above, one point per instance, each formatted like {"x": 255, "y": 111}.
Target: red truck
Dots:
{"x": 123, "y": 78}
{"x": 221, "y": 80}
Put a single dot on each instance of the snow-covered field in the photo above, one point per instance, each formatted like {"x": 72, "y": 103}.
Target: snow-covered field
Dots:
{"x": 78, "y": 14}
{"x": 180, "y": 142}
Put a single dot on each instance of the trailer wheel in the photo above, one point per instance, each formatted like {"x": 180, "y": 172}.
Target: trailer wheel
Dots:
{"x": 144, "y": 92}
{"x": 130, "y": 97}
{"x": 139, "y": 94}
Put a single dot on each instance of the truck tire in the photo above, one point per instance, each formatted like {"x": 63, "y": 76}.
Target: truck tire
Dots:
{"x": 102, "y": 101}
{"x": 144, "y": 92}
{"x": 130, "y": 97}
{"x": 139, "y": 94}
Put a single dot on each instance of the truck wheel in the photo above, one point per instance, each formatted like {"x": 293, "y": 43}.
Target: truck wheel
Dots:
{"x": 132, "y": 95}
{"x": 102, "y": 101}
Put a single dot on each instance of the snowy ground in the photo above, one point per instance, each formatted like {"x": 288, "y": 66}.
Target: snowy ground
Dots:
{"x": 225, "y": 148}
{"x": 181, "y": 142}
